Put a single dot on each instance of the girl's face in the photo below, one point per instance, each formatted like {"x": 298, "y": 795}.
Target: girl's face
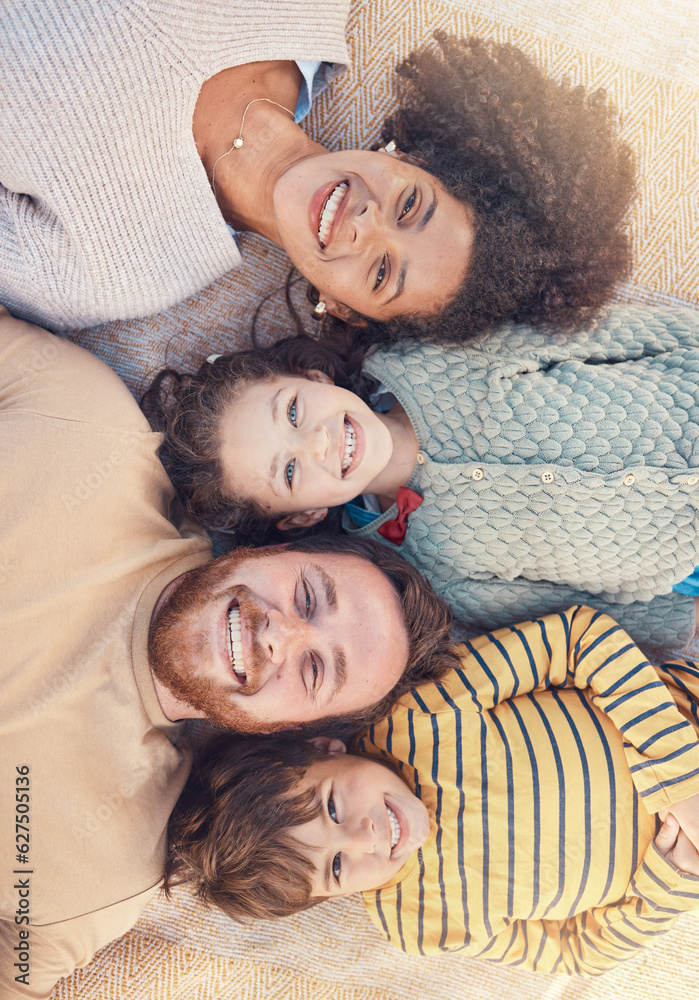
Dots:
{"x": 300, "y": 444}
{"x": 374, "y": 234}
{"x": 369, "y": 825}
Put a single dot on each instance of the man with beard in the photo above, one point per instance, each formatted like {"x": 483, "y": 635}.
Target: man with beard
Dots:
{"x": 116, "y": 625}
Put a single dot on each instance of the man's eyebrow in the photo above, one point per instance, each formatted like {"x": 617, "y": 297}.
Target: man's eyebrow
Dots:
{"x": 328, "y": 587}
{"x": 339, "y": 658}
{"x": 400, "y": 283}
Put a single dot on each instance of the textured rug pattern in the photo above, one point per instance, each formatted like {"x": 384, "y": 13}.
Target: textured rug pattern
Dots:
{"x": 646, "y": 53}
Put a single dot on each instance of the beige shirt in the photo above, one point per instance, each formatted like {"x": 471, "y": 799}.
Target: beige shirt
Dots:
{"x": 86, "y": 548}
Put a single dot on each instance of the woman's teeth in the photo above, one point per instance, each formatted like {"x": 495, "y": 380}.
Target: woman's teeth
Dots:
{"x": 327, "y": 216}
{"x": 235, "y": 645}
{"x": 350, "y": 446}
{"x": 395, "y": 827}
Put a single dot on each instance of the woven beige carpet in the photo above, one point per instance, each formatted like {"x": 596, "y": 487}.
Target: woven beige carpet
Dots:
{"x": 646, "y": 53}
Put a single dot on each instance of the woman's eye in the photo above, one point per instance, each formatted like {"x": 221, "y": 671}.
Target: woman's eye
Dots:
{"x": 314, "y": 668}
{"x": 332, "y": 812}
{"x": 308, "y": 601}
{"x": 292, "y": 412}
{"x": 380, "y": 275}
{"x": 289, "y": 472}
{"x": 337, "y": 868}
{"x": 409, "y": 204}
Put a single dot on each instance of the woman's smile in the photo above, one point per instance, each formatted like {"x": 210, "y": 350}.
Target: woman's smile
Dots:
{"x": 376, "y": 235}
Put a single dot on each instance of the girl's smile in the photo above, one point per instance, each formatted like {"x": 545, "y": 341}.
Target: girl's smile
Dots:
{"x": 299, "y": 445}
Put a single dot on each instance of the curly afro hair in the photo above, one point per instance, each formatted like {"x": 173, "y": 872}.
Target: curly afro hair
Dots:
{"x": 544, "y": 172}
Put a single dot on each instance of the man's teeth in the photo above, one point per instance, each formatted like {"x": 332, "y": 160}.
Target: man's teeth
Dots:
{"x": 395, "y": 827}
{"x": 235, "y": 645}
{"x": 327, "y": 216}
{"x": 350, "y": 446}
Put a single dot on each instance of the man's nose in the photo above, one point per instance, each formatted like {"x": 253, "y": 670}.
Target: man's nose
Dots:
{"x": 281, "y": 635}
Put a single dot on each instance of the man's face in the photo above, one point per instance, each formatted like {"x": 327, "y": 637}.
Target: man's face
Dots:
{"x": 262, "y": 640}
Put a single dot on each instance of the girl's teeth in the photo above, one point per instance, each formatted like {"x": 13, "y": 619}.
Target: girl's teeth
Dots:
{"x": 350, "y": 446}
{"x": 327, "y": 216}
{"x": 395, "y": 827}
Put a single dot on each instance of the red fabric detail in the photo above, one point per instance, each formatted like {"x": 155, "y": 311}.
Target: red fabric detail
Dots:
{"x": 407, "y": 501}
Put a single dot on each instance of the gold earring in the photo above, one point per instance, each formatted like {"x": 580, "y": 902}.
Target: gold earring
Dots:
{"x": 319, "y": 309}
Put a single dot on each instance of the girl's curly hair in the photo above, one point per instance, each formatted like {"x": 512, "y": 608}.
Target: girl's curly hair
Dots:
{"x": 546, "y": 176}
{"x": 188, "y": 409}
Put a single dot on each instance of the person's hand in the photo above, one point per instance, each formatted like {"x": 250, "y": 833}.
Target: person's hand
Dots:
{"x": 686, "y": 813}
{"x": 676, "y": 847}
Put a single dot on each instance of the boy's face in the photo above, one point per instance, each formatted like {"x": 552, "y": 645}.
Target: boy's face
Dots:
{"x": 370, "y": 823}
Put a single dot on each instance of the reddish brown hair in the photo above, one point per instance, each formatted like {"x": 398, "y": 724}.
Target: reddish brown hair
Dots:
{"x": 229, "y": 832}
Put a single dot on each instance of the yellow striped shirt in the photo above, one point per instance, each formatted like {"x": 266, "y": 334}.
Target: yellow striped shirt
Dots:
{"x": 541, "y": 761}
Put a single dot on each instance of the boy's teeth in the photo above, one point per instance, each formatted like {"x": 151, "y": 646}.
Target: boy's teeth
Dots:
{"x": 235, "y": 645}
{"x": 327, "y": 216}
{"x": 350, "y": 446}
{"x": 395, "y": 827}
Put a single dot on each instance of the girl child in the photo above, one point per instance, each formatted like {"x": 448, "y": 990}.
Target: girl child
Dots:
{"x": 520, "y": 474}
{"x": 550, "y": 865}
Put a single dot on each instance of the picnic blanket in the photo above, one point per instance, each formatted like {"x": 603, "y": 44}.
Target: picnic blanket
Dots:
{"x": 646, "y": 54}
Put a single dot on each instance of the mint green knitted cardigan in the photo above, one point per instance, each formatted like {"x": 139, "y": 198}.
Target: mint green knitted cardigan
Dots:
{"x": 558, "y": 469}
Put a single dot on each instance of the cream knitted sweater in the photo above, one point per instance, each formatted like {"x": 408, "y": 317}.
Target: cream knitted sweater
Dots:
{"x": 106, "y": 211}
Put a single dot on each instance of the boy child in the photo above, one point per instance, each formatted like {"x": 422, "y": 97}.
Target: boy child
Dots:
{"x": 521, "y": 828}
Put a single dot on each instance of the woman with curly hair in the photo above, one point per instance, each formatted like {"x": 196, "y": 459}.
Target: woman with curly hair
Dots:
{"x": 545, "y": 179}
{"x": 134, "y": 132}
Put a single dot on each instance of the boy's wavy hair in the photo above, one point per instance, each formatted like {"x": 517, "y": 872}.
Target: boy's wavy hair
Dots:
{"x": 229, "y": 833}
{"x": 548, "y": 180}
{"x": 188, "y": 409}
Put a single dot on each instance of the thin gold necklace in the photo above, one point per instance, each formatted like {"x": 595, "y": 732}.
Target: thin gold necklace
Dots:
{"x": 237, "y": 143}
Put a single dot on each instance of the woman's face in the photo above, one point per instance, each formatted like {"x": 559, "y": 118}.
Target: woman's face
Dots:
{"x": 374, "y": 234}
{"x": 299, "y": 444}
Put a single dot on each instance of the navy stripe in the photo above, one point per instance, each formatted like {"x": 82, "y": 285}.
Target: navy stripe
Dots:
{"x": 510, "y": 815}
{"x": 484, "y": 826}
{"x": 651, "y": 686}
{"x": 673, "y": 669}
{"x": 665, "y": 732}
{"x": 545, "y": 639}
{"x": 489, "y": 674}
{"x": 421, "y": 704}
{"x": 462, "y": 805}
{"x": 520, "y": 924}
{"x": 620, "y": 681}
{"x": 382, "y": 918}
{"x": 531, "y": 659}
{"x": 536, "y": 794}
{"x": 561, "y": 800}
{"x": 586, "y": 792}
{"x": 506, "y": 656}
{"x": 670, "y": 781}
{"x": 612, "y": 792}
{"x": 542, "y": 945}
{"x": 389, "y": 735}
{"x": 635, "y": 859}
{"x": 440, "y": 832}
{"x": 661, "y": 760}
{"x": 399, "y": 915}
{"x": 648, "y": 714}
{"x": 421, "y": 902}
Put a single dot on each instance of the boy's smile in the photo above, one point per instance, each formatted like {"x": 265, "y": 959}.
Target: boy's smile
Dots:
{"x": 369, "y": 825}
